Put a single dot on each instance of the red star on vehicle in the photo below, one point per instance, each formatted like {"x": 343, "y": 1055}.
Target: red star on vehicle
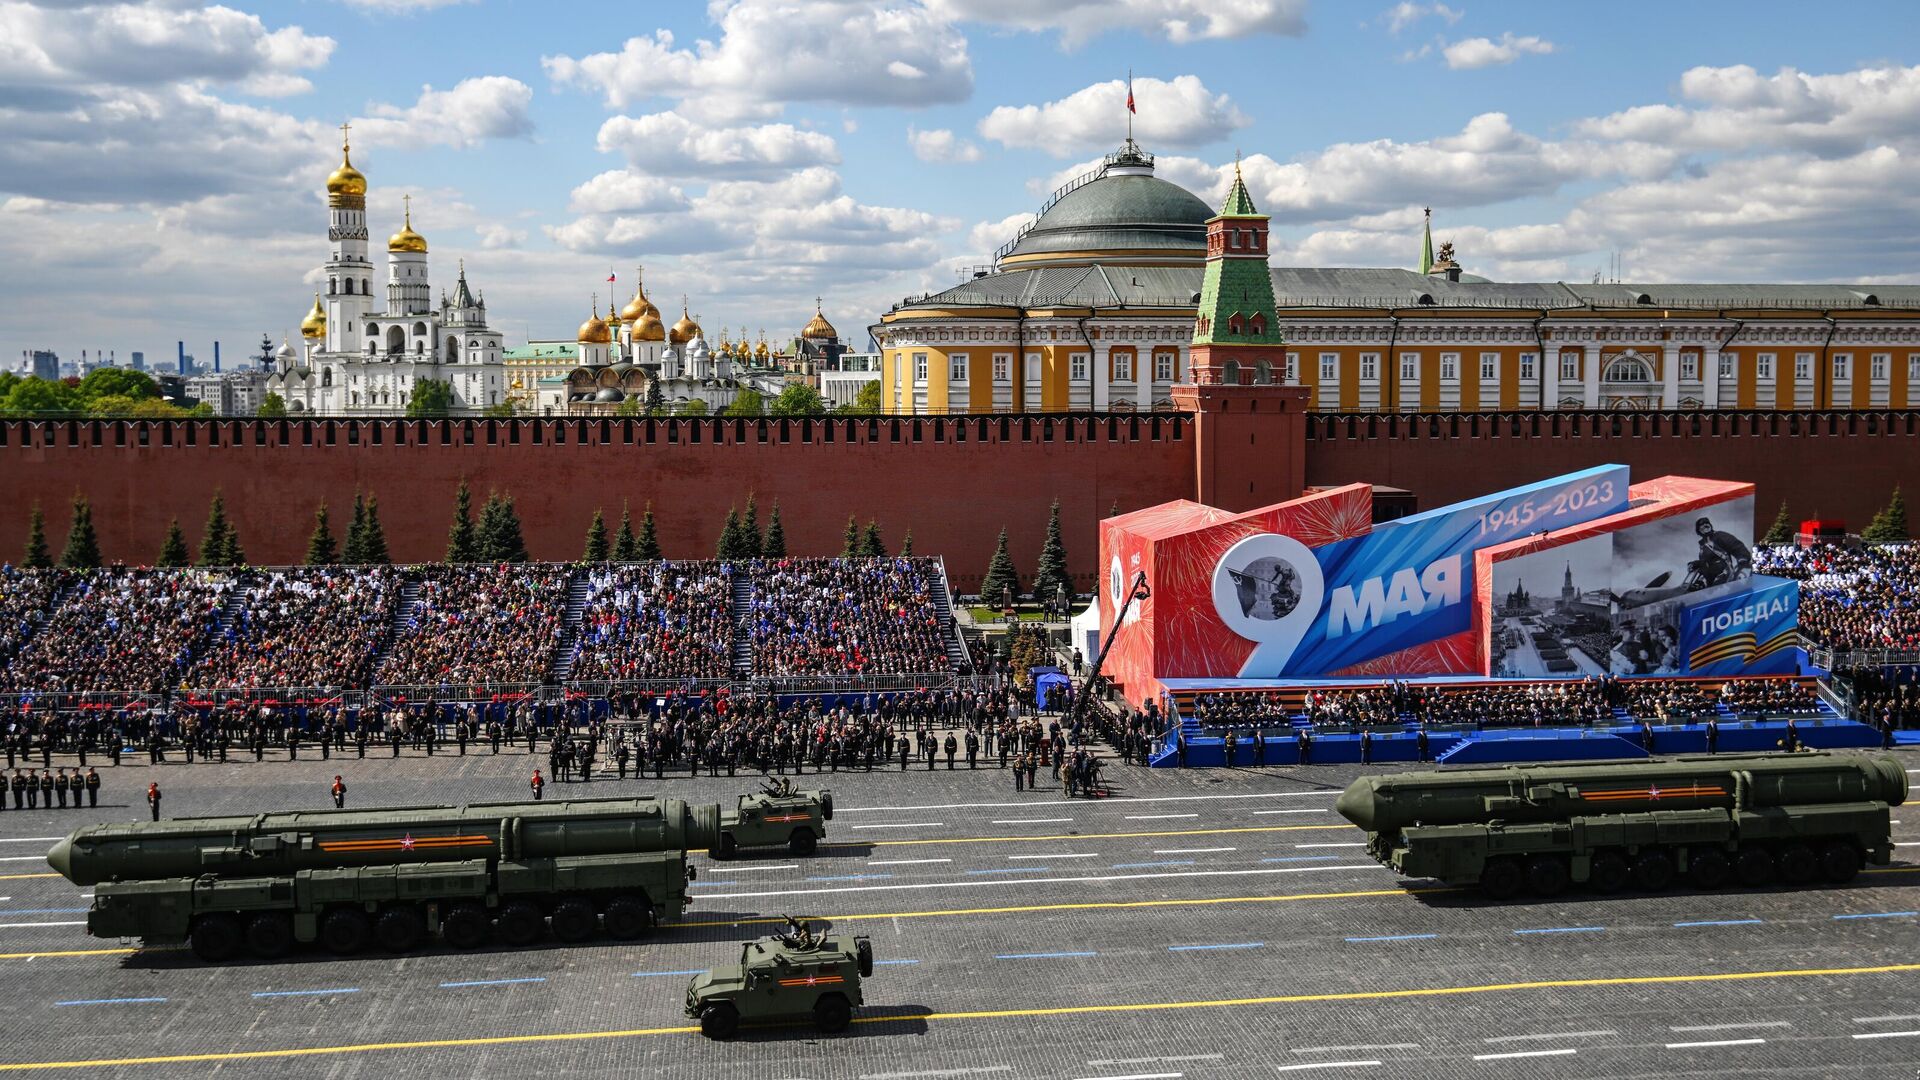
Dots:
{"x": 406, "y": 842}
{"x": 1653, "y": 792}
{"x": 811, "y": 980}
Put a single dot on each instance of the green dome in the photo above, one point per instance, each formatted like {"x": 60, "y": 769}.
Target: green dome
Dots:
{"x": 1125, "y": 208}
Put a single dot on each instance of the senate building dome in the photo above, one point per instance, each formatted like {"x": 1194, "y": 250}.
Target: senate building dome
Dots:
{"x": 1120, "y": 210}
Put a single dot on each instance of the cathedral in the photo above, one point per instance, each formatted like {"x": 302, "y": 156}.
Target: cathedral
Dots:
{"x": 357, "y": 360}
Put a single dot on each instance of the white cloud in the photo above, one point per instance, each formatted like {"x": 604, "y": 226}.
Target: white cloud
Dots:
{"x": 1470, "y": 53}
{"x": 989, "y": 236}
{"x": 150, "y": 44}
{"x": 941, "y": 145}
{"x": 668, "y": 144}
{"x": 1178, "y": 21}
{"x": 496, "y": 237}
{"x": 1406, "y": 13}
{"x": 488, "y": 107}
{"x": 775, "y": 52}
{"x": 623, "y": 191}
{"x": 1182, "y": 112}
{"x": 1742, "y": 108}
{"x": 403, "y": 7}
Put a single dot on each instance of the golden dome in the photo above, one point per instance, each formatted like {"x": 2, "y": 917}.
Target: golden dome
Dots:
{"x": 315, "y": 324}
{"x": 684, "y": 330}
{"x": 406, "y": 239}
{"x": 595, "y": 331}
{"x": 761, "y": 352}
{"x": 346, "y": 180}
{"x": 639, "y": 307}
{"x": 650, "y": 328}
{"x": 818, "y": 327}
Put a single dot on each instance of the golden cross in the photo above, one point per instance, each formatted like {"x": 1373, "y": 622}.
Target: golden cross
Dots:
{"x": 408, "y": 199}
{"x": 344, "y": 129}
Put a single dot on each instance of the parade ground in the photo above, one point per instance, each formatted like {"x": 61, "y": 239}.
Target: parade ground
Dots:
{"x": 1196, "y": 925}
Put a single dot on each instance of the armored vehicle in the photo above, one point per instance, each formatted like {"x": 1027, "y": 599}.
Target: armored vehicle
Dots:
{"x": 798, "y": 975}
{"x": 347, "y": 879}
{"x": 776, "y": 814}
{"x": 1609, "y": 825}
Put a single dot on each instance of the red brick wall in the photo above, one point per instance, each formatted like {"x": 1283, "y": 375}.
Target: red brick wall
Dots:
{"x": 954, "y": 495}
{"x": 1842, "y": 465}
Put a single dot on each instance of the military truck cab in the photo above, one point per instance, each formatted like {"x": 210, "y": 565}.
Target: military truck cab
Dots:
{"x": 787, "y": 978}
{"x": 777, "y": 814}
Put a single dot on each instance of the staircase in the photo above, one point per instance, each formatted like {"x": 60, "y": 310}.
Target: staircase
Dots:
{"x": 403, "y": 615}
{"x": 742, "y": 639}
{"x": 560, "y": 663}
{"x": 943, "y": 603}
{"x": 233, "y": 611}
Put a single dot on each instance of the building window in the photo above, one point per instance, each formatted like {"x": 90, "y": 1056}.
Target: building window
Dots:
{"x": 1628, "y": 369}
{"x": 1877, "y": 367}
{"x": 1764, "y": 365}
{"x": 1409, "y": 366}
{"x": 1077, "y": 367}
{"x": 957, "y": 371}
{"x": 1527, "y": 362}
{"x": 919, "y": 367}
{"x": 1689, "y": 366}
{"x": 1163, "y": 367}
{"x": 1569, "y": 365}
{"x": 1489, "y": 366}
{"x": 1263, "y": 373}
{"x": 1002, "y": 367}
{"x": 1449, "y": 366}
{"x": 1033, "y": 367}
{"x": 1842, "y": 366}
{"x": 1123, "y": 367}
{"x": 1802, "y": 366}
{"x": 1329, "y": 367}
{"x": 1369, "y": 366}
{"x": 1726, "y": 366}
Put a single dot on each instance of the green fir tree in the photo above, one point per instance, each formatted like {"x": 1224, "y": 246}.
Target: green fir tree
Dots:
{"x": 906, "y": 544}
{"x": 775, "y": 546}
{"x": 850, "y": 545}
{"x": 1001, "y": 579}
{"x": 656, "y": 400}
{"x": 214, "y": 544}
{"x": 373, "y": 539}
{"x": 1781, "y": 531}
{"x": 461, "y": 546}
{"x": 596, "y": 550}
{"x": 501, "y": 539}
{"x": 1050, "y": 576}
{"x": 355, "y": 551}
{"x": 173, "y": 553}
{"x": 322, "y": 548}
{"x": 624, "y": 549}
{"x": 36, "y": 556}
{"x": 1890, "y": 524}
{"x": 648, "y": 547}
{"x": 83, "y": 545}
{"x": 872, "y": 546}
{"x": 730, "y": 542}
{"x": 752, "y": 544}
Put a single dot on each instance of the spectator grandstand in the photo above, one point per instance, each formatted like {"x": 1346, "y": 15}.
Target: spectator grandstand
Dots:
{"x": 656, "y": 620}
{"x": 1852, "y": 597}
{"x": 479, "y": 624}
{"x": 305, "y": 627}
{"x": 25, "y": 596}
{"x": 122, "y": 631}
{"x": 861, "y": 616}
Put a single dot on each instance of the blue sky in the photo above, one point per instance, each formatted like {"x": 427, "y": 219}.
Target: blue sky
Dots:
{"x": 160, "y": 161}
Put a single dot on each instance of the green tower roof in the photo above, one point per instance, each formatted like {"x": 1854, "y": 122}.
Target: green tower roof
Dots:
{"x": 1237, "y": 285}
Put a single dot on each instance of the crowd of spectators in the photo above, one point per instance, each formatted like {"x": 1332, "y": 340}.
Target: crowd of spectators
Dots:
{"x": 1886, "y": 697}
{"x": 25, "y": 596}
{"x": 656, "y": 620}
{"x": 309, "y": 627}
{"x": 121, "y": 630}
{"x": 1852, "y": 598}
{"x": 810, "y": 616}
{"x": 479, "y": 624}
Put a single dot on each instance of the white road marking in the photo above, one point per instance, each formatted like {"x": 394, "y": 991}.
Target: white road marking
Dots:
{"x": 1716, "y": 1042}
{"x": 904, "y": 862}
{"x": 1361, "y": 844}
{"x": 1561, "y": 1052}
{"x": 1887, "y": 1034}
{"x": 927, "y": 1074}
{"x": 1351, "y": 1049}
{"x": 1551, "y": 1035}
{"x": 749, "y": 869}
{"x": 1326, "y": 1065}
{"x": 1003, "y": 882}
{"x": 906, "y": 825}
{"x": 1313, "y": 810}
{"x": 1158, "y": 817}
{"x": 1087, "y": 855}
{"x": 22, "y": 925}
{"x": 1125, "y": 803}
{"x": 1138, "y": 1076}
{"x": 1729, "y": 1027}
{"x": 1028, "y": 821}
{"x": 23, "y": 858}
{"x": 1191, "y": 850}
{"x": 1885, "y": 1019}
{"x": 29, "y": 839}
{"x": 1105, "y": 1063}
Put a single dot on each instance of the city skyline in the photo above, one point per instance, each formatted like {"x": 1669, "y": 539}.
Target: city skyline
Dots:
{"x": 756, "y": 154}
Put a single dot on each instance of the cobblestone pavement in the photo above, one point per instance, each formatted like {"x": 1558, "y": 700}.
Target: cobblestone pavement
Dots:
{"x": 1204, "y": 924}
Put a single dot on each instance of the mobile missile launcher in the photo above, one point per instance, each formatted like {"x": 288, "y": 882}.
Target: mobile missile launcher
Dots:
{"x": 1712, "y": 820}
{"x": 793, "y": 976}
{"x": 347, "y": 879}
{"x": 776, "y": 814}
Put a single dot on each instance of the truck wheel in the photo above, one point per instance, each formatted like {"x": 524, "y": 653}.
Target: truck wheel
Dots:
{"x": 826, "y": 805}
{"x": 1547, "y": 875}
{"x": 1840, "y": 862}
{"x": 464, "y": 927}
{"x": 863, "y": 949}
{"x": 1753, "y": 866}
{"x": 574, "y": 920}
{"x": 1797, "y": 864}
{"x": 1653, "y": 870}
{"x": 719, "y": 1020}
{"x": 627, "y": 917}
{"x": 1610, "y": 872}
{"x": 1501, "y": 879}
{"x": 345, "y": 931}
{"x": 725, "y": 847}
{"x": 400, "y": 929}
{"x": 832, "y": 1014}
{"x": 269, "y": 935}
{"x": 519, "y": 923}
{"x": 215, "y": 938}
{"x": 802, "y": 842}
{"x": 1708, "y": 870}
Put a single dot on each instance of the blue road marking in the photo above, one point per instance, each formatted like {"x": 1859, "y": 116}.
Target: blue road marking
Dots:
{"x": 1143, "y": 865}
{"x": 1302, "y": 858}
{"x": 113, "y": 1001}
{"x": 1722, "y": 922}
{"x": 1042, "y": 955}
{"x": 651, "y": 974}
{"x": 1563, "y": 930}
{"x": 1882, "y": 915}
{"x": 881, "y": 963}
{"x": 1015, "y": 870}
{"x": 852, "y": 877}
{"x": 1396, "y": 937}
{"x": 493, "y": 982}
{"x": 1204, "y": 948}
{"x": 306, "y": 993}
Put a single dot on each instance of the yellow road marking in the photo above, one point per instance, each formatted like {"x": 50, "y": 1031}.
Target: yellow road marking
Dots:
{"x": 1104, "y": 905}
{"x": 988, "y": 1014}
{"x": 18, "y": 877}
{"x": 68, "y": 952}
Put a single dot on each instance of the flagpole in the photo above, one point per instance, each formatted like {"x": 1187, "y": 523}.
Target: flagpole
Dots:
{"x": 1129, "y": 106}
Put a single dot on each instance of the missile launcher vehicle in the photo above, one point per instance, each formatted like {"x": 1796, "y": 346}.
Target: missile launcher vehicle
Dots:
{"x": 793, "y": 976}
{"x": 391, "y": 878}
{"x": 777, "y": 814}
{"x": 1608, "y": 826}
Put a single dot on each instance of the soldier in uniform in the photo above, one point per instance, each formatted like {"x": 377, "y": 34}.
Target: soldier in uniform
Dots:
{"x": 952, "y": 747}
{"x": 1019, "y": 772}
{"x": 903, "y": 753}
{"x": 493, "y": 736}
{"x": 1230, "y": 743}
{"x": 93, "y": 788}
{"x": 537, "y": 783}
{"x": 620, "y": 755}
{"x": 339, "y": 792}
{"x": 153, "y": 799}
{"x": 1713, "y": 735}
{"x": 360, "y": 741}
{"x": 19, "y": 790}
{"x": 46, "y": 788}
{"x": 33, "y": 790}
{"x": 1366, "y": 746}
{"x": 60, "y": 786}
{"x": 1303, "y": 743}
{"x": 1421, "y": 738}
{"x": 973, "y": 750}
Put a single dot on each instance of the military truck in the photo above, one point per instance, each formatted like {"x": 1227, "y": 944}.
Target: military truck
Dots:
{"x": 789, "y": 977}
{"x": 350, "y": 879}
{"x": 777, "y": 814}
{"x": 1609, "y": 825}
